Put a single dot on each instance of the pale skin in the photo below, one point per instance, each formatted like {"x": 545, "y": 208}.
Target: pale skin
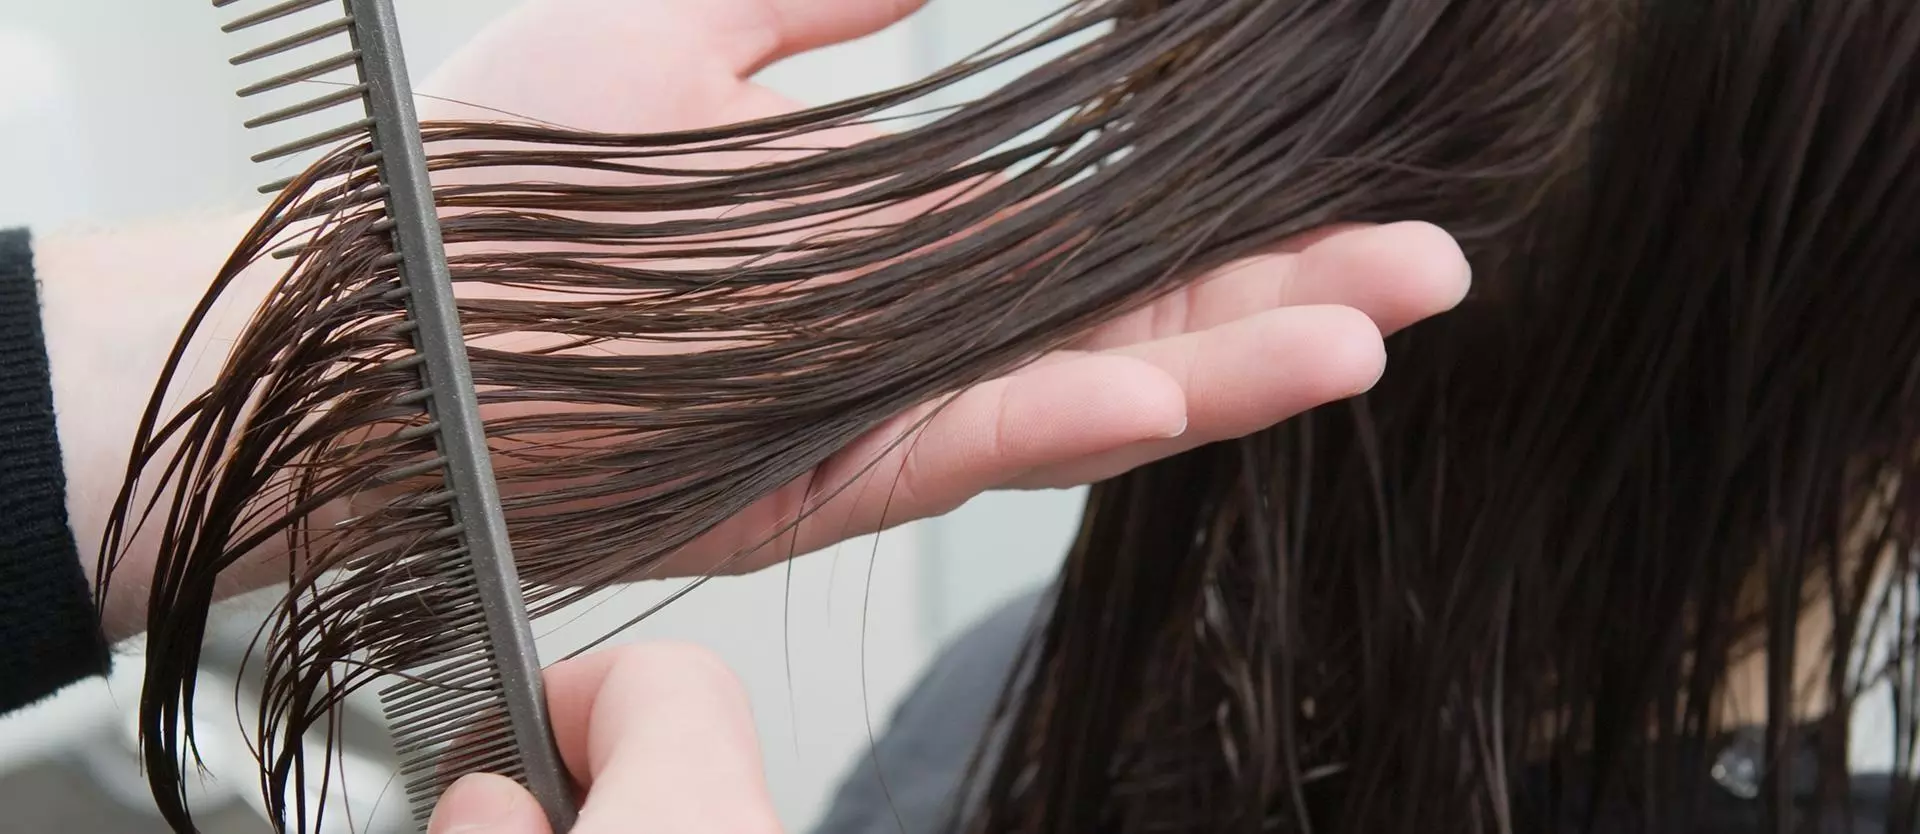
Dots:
{"x": 1237, "y": 351}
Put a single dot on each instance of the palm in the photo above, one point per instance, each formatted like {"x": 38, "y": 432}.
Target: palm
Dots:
{"x": 1237, "y": 351}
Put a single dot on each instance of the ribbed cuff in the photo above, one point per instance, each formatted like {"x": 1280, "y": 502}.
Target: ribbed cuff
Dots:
{"x": 49, "y": 633}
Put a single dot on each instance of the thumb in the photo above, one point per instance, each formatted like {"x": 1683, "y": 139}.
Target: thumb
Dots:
{"x": 483, "y": 803}
{"x": 790, "y": 27}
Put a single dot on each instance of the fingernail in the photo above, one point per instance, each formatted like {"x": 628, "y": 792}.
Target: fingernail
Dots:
{"x": 1178, "y": 430}
{"x": 478, "y": 804}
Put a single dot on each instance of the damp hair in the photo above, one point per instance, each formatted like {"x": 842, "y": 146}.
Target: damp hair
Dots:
{"x": 1661, "y": 449}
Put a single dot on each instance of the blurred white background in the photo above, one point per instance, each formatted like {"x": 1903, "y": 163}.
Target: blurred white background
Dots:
{"x": 114, "y": 111}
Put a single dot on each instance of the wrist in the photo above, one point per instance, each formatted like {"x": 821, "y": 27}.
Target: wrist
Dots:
{"x": 113, "y": 305}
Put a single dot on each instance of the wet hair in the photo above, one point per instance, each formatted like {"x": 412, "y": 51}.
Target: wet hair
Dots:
{"x": 1664, "y": 443}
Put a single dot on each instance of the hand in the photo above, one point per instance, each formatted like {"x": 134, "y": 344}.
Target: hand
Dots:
{"x": 1236, "y": 352}
{"x": 661, "y": 737}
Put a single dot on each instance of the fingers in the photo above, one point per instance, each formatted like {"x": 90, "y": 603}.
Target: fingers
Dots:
{"x": 1082, "y": 417}
{"x": 789, "y": 27}
{"x": 661, "y": 734}
{"x": 606, "y": 64}
{"x": 1255, "y": 348}
{"x": 1239, "y": 378}
{"x": 1066, "y": 408}
{"x": 669, "y": 743}
{"x": 1050, "y": 414}
{"x": 622, "y": 66}
{"x": 487, "y": 804}
{"x": 1397, "y": 274}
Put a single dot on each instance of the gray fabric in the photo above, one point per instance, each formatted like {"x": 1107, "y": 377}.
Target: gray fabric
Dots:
{"x": 934, "y": 733}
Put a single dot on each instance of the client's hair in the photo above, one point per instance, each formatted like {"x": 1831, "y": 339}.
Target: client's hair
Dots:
{"x": 1664, "y": 446}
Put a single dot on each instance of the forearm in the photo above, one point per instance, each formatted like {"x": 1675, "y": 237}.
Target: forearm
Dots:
{"x": 113, "y": 305}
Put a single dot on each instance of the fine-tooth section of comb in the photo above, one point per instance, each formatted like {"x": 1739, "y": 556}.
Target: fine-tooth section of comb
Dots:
{"x": 472, "y": 700}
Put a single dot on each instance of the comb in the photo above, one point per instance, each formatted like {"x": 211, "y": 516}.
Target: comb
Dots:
{"x": 484, "y": 692}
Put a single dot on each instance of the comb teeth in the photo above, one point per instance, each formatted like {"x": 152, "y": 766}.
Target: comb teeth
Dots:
{"x": 274, "y": 12}
{"x": 451, "y": 717}
{"x": 309, "y": 106}
{"x": 306, "y": 73}
{"x": 316, "y": 140}
{"x": 474, "y": 701}
{"x": 293, "y": 41}
{"x": 303, "y": 54}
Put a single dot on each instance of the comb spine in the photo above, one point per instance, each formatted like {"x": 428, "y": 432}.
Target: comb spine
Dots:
{"x": 476, "y": 500}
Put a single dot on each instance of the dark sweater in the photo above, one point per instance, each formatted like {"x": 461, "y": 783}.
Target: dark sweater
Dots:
{"x": 49, "y": 636}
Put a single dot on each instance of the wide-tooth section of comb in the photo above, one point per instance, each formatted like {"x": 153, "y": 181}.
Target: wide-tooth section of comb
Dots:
{"x": 320, "y": 42}
{"x": 271, "y": 13}
{"x": 305, "y": 143}
{"x": 293, "y": 41}
{"x": 313, "y": 105}
{"x": 306, "y": 73}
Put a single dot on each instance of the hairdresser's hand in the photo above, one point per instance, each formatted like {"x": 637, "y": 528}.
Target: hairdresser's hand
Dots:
{"x": 1236, "y": 352}
{"x": 661, "y": 736}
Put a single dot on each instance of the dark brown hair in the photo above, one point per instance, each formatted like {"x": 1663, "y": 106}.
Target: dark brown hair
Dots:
{"x": 1671, "y": 427}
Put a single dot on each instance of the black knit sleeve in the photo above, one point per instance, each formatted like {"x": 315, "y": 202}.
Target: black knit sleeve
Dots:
{"x": 49, "y": 633}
